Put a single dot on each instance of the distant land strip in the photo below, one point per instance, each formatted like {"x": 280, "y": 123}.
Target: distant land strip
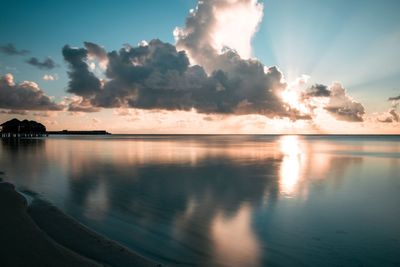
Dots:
{"x": 67, "y": 132}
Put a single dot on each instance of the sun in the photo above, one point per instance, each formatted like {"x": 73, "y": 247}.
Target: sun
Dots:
{"x": 292, "y": 94}
{"x": 291, "y": 97}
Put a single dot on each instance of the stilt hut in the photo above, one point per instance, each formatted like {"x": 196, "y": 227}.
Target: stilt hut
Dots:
{"x": 15, "y": 128}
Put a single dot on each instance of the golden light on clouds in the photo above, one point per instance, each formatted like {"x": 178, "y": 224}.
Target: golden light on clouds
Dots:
{"x": 291, "y": 97}
{"x": 243, "y": 18}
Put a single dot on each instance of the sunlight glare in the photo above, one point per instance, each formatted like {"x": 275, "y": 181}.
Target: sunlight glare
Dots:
{"x": 291, "y": 97}
{"x": 290, "y": 172}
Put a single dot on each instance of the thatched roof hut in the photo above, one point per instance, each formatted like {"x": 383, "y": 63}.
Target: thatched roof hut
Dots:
{"x": 22, "y": 128}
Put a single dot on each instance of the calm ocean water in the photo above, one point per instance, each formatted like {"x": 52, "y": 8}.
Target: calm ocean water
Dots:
{"x": 225, "y": 200}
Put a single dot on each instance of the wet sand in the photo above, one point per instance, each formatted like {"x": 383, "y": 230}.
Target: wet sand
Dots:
{"x": 41, "y": 235}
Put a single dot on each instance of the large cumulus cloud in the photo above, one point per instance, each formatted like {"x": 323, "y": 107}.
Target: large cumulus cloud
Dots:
{"x": 209, "y": 69}
{"x": 158, "y": 76}
{"x": 24, "y": 96}
{"x": 216, "y": 25}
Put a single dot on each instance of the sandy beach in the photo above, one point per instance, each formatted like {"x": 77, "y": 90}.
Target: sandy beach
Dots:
{"x": 41, "y": 235}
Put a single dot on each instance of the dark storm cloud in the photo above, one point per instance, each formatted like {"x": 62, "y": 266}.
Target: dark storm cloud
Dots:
{"x": 157, "y": 76}
{"x": 10, "y": 49}
{"x": 82, "y": 82}
{"x": 47, "y": 64}
{"x": 24, "y": 96}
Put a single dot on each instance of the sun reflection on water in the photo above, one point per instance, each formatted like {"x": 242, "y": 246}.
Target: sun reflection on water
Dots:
{"x": 290, "y": 171}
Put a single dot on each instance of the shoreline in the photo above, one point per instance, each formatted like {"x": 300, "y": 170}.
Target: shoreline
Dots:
{"x": 39, "y": 234}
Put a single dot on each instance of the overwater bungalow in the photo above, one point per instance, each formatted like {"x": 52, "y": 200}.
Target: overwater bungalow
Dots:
{"x": 15, "y": 128}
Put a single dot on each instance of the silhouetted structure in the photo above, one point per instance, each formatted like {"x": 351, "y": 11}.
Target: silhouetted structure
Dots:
{"x": 15, "y": 128}
{"x": 67, "y": 132}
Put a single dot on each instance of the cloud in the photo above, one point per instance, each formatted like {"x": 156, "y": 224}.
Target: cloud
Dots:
{"x": 390, "y": 116}
{"x": 82, "y": 81}
{"x": 24, "y": 96}
{"x": 216, "y": 25}
{"x": 14, "y": 112}
{"x": 47, "y": 64}
{"x": 318, "y": 90}
{"x": 97, "y": 52}
{"x": 51, "y": 122}
{"x": 80, "y": 104}
{"x": 157, "y": 76}
{"x": 342, "y": 106}
{"x": 10, "y": 49}
{"x": 335, "y": 100}
{"x": 125, "y": 112}
{"x": 210, "y": 69}
{"x": 394, "y": 98}
{"x": 395, "y": 115}
{"x": 50, "y": 77}
{"x": 46, "y": 114}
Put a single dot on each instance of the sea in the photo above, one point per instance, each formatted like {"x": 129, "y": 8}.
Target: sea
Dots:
{"x": 224, "y": 200}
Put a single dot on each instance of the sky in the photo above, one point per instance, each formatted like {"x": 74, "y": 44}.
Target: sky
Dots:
{"x": 211, "y": 66}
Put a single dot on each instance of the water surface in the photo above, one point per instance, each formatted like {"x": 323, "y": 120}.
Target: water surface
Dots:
{"x": 225, "y": 200}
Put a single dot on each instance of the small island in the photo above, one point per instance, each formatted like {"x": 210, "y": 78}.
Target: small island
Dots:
{"x": 15, "y": 129}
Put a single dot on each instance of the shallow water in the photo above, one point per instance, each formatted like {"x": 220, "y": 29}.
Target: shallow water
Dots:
{"x": 225, "y": 200}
